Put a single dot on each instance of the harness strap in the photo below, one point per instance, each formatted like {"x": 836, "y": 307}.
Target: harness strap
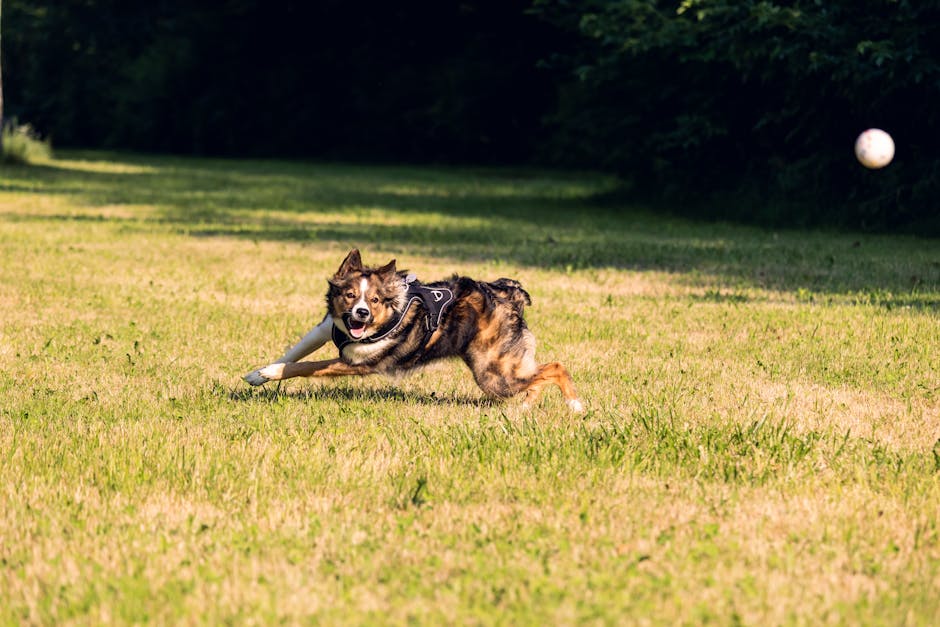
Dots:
{"x": 435, "y": 301}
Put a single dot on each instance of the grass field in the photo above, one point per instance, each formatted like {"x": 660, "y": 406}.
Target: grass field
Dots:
{"x": 760, "y": 447}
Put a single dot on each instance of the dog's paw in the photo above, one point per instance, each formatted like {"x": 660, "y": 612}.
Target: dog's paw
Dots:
{"x": 261, "y": 376}
{"x": 575, "y": 405}
{"x": 255, "y": 378}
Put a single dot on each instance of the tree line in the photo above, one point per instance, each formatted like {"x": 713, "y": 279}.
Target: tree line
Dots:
{"x": 725, "y": 107}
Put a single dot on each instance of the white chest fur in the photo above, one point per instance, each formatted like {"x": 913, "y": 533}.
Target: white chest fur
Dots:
{"x": 357, "y": 353}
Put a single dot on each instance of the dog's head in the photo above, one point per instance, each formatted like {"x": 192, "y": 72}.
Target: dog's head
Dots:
{"x": 363, "y": 300}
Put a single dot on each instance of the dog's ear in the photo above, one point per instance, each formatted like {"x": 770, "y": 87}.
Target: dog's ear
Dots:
{"x": 352, "y": 263}
{"x": 388, "y": 268}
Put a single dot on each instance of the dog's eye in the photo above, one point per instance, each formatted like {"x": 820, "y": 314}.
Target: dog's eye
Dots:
{"x": 375, "y": 299}
{"x": 350, "y": 295}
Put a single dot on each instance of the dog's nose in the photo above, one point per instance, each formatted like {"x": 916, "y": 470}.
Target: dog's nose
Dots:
{"x": 362, "y": 312}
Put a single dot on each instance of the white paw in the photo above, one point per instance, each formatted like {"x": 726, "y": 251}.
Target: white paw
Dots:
{"x": 261, "y": 376}
{"x": 575, "y": 405}
{"x": 255, "y": 378}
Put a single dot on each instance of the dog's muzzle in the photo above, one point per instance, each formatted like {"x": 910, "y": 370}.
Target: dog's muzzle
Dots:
{"x": 356, "y": 321}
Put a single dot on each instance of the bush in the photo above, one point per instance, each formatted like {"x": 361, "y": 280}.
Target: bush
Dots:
{"x": 758, "y": 96}
{"x": 22, "y": 144}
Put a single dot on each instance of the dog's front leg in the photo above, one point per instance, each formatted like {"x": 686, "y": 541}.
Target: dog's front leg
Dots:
{"x": 317, "y": 337}
{"x": 328, "y": 368}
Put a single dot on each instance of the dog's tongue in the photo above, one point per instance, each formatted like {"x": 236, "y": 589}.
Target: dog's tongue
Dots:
{"x": 356, "y": 333}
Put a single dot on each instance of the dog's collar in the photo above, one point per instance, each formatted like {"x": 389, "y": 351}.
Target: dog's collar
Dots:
{"x": 435, "y": 300}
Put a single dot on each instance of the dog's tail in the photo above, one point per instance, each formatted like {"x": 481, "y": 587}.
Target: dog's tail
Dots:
{"x": 511, "y": 291}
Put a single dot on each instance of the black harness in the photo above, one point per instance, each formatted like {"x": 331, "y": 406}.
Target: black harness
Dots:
{"x": 435, "y": 300}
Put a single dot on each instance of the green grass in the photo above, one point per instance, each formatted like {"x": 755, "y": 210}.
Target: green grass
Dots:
{"x": 760, "y": 446}
{"x": 22, "y": 144}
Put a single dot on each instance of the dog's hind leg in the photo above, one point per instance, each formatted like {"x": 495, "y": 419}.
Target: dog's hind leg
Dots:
{"x": 553, "y": 373}
{"x": 328, "y": 368}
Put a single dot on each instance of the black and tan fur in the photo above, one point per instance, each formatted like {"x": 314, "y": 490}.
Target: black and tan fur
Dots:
{"x": 483, "y": 325}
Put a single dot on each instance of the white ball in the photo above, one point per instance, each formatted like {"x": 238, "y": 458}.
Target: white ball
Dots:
{"x": 874, "y": 148}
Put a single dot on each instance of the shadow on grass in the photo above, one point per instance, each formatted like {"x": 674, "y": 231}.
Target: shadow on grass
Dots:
{"x": 270, "y": 393}
{"x": 519, "y": 216}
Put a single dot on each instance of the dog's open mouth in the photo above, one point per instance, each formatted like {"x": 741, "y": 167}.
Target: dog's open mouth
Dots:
{"x": 356, "y": 328}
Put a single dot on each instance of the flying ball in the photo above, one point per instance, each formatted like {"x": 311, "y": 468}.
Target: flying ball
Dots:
{"x": 874, "y": 148}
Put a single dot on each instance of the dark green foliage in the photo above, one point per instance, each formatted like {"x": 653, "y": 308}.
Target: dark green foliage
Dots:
{"x": 758, "y": 96}
{"x": 422, "y": 81}
{"x": 727, "y": 108}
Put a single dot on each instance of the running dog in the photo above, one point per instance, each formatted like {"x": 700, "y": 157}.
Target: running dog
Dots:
{"x": 383, "y": 321}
